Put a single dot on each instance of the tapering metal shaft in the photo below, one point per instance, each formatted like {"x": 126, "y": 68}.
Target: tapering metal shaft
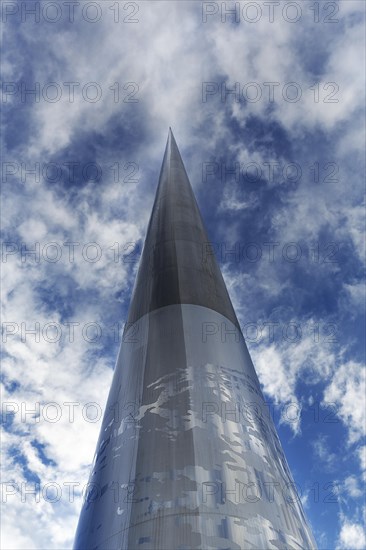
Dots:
{"x": 188, "y": 456}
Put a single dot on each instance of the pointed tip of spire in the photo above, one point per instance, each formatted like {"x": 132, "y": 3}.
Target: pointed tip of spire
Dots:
{"x": 171, "y": 138}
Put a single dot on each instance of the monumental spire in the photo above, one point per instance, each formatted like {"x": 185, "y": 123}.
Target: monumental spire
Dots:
{"x": 188, "y": 456}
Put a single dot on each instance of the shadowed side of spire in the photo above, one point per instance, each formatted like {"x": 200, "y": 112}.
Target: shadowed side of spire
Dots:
{"x": 177, "y": 265}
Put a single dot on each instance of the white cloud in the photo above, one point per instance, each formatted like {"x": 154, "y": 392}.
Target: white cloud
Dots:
{"x": 282, "y": 364}
{"x": 357, "y": 294}
{"x": 352, "y": 487}
{"x": 347, "y": 391}
{"x": 352, "y": 536}
{"x": 323, "y": 453}
{"x": 361, "y": 451}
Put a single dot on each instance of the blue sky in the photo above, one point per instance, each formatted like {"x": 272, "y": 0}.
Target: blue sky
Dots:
{"x": 277, "y": 170}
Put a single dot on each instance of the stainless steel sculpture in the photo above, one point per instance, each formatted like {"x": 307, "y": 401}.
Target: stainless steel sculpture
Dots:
{"x": 188, "y": 456}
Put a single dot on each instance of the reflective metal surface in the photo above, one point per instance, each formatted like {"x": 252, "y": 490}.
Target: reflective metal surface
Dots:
{"x": 188, "y": 456}
{"x": 177, "y": 264}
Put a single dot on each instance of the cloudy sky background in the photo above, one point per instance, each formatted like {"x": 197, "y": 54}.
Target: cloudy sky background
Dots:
{"x": 98, "y": 144}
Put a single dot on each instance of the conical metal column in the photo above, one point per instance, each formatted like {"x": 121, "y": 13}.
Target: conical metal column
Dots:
{"x": 188, "y": 456}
